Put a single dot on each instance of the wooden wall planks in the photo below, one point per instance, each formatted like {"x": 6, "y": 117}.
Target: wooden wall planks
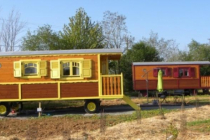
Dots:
{"x": 39, "y": 91}
{"x": 79, "y": 90}
{"x": 9, "y": 92}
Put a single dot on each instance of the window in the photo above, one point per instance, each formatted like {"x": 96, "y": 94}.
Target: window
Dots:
{"x": 165, "y": 71}
{"x": 184, "y": 72}
{"x": 70, "y": 68}
{"x": 30, "y": 68}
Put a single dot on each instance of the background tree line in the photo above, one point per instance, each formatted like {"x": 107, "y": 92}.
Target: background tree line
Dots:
{"x": 111, "y": 32}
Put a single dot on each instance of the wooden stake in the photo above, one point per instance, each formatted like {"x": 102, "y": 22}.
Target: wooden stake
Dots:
{"x": 39, "y": 107}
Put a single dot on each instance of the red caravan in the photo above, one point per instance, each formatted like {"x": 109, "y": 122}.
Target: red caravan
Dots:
{"x": 176, "y": 75}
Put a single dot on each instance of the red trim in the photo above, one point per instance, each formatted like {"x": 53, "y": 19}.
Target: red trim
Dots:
{"x": 155, "y": 72}
{"x": 191, "y": 72}
{"x": 176, "y": 72}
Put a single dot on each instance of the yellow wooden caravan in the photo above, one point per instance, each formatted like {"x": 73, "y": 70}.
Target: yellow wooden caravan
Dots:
{"x": 59, "y": 75}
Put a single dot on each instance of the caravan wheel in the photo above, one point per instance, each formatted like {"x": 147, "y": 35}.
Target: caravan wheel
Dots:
{"x": 92, "y": 106}
{"x": 4, "y": 109}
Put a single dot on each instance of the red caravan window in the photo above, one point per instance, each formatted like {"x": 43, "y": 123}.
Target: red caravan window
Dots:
{"x": 166, "y": 71}
{"x": 184, "y": 72}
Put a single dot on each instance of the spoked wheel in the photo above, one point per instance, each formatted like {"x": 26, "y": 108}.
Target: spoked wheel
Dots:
{"x": 92, "y": 106}
{"x": 4, "y": 109}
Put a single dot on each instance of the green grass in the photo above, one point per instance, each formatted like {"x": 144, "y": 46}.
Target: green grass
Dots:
{"x": 200, "y": 101}
{"x": 116, "y": 119}
{"x": 200, "y": 125}
{"x": 111, "y": 120}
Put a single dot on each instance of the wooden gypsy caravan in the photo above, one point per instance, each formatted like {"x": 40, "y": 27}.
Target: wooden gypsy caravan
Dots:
{"x": 59, "y": 75}
{"x": 176, "y": 75}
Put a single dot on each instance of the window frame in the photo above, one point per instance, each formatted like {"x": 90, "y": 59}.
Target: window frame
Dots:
{"x": 71, "y": 67}
{"x": 164, "y": 70}
{"x": 71, "y": 76}
{"x": 24, "y": 68}
{"x": 37, "y": 75}
{"x": 185, "y": 69}
{"x": 20, "y": 72}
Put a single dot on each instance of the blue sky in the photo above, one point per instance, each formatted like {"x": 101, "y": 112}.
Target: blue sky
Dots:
{"x": 181, "y": 20}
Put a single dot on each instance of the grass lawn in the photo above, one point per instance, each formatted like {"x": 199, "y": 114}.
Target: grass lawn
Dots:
{"x": 200, "y": 125}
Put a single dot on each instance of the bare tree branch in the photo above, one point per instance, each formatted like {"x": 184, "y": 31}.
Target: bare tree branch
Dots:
{"x": 10, "y": 30}
{"x": 115, "y": 31}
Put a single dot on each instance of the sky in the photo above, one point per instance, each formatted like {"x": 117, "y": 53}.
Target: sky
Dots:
{"x": 180, "y": 20}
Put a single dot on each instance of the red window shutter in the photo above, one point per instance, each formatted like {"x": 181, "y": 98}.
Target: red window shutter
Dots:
{"x": 155, "y": 72}
{"x": 168, "y": 71}
{"x": 176, "y": 72}
{"x": 191, "y": 72}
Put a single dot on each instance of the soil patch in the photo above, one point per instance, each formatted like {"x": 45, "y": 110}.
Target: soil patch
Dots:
{"x": 79, "y": 127}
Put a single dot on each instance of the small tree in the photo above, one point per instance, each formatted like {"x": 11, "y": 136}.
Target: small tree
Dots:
{"x": 115, "y": 31}
{"x": 198, "y": 52}
{"x": 140, "y": 52}
{"x": 81, "y": 33}
{"x": 44, "y": 38}
{"x": 168, "y": 49}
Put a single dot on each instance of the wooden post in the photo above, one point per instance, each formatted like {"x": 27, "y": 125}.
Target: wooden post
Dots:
{"x": 40, "y": 108}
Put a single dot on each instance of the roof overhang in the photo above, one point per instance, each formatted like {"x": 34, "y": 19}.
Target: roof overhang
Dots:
{"x": 58, "y": 52}
{"x": 171, "y": 63}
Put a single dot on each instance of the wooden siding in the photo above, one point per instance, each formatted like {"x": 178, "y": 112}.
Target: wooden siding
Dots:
{"x": 141, "y": 85}
{"x": 189, "y": 83}
{"x": 9, "y": 92}
{"x": 168, "y": 84}
{"x": 39, "y": 91}
{"x": 79, "y": 90}
{"x": 7, "y": 70}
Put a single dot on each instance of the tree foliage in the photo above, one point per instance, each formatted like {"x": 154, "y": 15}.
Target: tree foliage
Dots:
{"x": 81, "y": 33}
{"x": 198, "y": 52}
{"x": 44, "y": 38}
{"x": 140, "y": 52}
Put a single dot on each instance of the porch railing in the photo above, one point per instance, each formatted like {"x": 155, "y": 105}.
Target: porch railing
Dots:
{"x": 205, "y": 81}
{"x": 112, "y": 84}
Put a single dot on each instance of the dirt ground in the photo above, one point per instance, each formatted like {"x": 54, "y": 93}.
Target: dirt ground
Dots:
{"x": 67, "y": 128}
